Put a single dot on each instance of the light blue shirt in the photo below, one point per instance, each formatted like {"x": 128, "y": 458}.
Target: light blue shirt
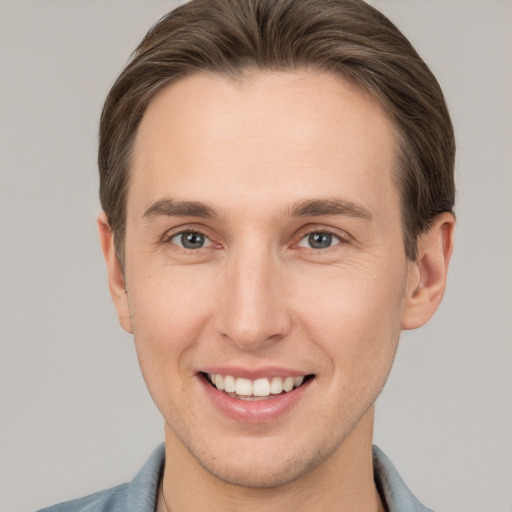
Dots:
{"x": 140, "y": 495}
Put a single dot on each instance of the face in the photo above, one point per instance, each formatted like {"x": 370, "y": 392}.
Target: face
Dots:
{"x": 264, "y": 251}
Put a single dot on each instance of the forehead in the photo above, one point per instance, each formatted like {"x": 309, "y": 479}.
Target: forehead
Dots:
{"x": 266, "y": 136}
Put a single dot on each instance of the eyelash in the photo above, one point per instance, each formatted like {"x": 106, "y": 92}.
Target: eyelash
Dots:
{"x": 323, "y": 231}
{"x": 339, "y": 238}
{"x": 168, "y": 238}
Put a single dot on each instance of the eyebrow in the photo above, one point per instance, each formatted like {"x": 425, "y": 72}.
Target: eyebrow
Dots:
{"x": 169, "y": 207}
{"x": 319, "y": 207}
{"x": 172, "y": 208}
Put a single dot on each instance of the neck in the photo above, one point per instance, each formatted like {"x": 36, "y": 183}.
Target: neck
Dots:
{"x": 342, "y": 482}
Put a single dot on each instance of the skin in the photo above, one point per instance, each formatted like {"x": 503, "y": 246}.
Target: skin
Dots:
{"x": 256, "y": 294}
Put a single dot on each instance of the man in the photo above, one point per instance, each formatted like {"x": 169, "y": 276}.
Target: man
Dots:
{"x": 277, "y": 186}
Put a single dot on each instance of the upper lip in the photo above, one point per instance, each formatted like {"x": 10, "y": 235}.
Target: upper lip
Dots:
{"x": 254, "y": 373}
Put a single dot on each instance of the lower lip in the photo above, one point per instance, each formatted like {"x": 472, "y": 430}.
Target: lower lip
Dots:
{"x": 259, "y": 411}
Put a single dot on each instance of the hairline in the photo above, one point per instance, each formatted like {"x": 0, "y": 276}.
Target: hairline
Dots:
{"x": 400, "y": 139}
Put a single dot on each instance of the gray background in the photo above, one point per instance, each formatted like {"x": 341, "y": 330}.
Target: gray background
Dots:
{"x": 75, "y": 416}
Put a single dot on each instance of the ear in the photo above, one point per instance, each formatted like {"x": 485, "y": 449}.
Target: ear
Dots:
{"x": 115, "y": 273}
{"x": 427, "y": 275}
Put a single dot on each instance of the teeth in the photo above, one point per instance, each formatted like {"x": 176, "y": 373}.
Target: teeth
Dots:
{"x": 288, "y": 383}
{"x": 254, "y": 388}
{"x": 261, "y": 387}
{"x": 243, "y": 387}
{"x": 276, "y": 385}
{"x": 229, "y": 384}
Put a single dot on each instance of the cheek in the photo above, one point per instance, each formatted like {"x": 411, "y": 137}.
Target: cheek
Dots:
{"x": 169, "y": 310}
{"x": 169, "y": 300}
{"x": 355, "y": 315}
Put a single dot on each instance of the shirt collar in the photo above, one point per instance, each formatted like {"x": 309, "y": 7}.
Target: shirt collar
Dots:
{"x": 392, "y": 489}
{"x": 143, "y": 490}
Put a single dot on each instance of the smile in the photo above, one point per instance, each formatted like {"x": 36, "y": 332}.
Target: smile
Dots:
{"x": 252, "y": 396}
{"x": 258, "y": 389}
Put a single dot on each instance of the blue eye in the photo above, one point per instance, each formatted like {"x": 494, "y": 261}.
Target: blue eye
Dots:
{"x": 319, "y": 240}
{"x": 190, "y": 240}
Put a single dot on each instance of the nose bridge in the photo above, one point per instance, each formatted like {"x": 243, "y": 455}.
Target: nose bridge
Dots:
{"x": 254, "y": 311}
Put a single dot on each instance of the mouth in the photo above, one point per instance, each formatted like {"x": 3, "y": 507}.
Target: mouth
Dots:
{"x": 263, "y": 388}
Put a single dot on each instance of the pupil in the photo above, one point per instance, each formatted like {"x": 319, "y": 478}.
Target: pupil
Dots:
{"x": 320, "y": 240}
{"x": 192, "y": 240}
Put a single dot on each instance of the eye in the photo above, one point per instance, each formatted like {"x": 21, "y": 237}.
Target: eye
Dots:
{"x": 190, "y": 240}
{"x": 319, "y": 240}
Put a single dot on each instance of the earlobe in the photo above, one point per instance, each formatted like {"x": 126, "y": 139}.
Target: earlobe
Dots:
{"x": 115, "y": 273}
{"x": 427, "y": 275}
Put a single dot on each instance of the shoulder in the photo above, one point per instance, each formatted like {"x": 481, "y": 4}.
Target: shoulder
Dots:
{"x": 139, "y": 495}
{"x": 109, "y": 500}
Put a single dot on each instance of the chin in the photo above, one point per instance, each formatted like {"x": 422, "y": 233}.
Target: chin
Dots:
{"x": 265, "y": 462}
{"x": 268, "y": 474}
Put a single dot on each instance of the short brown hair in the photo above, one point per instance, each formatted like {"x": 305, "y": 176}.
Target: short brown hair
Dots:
{"x": 347, "y": 37}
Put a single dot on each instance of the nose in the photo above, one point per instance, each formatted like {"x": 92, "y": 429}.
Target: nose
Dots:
{"x": 253, "y": 310}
